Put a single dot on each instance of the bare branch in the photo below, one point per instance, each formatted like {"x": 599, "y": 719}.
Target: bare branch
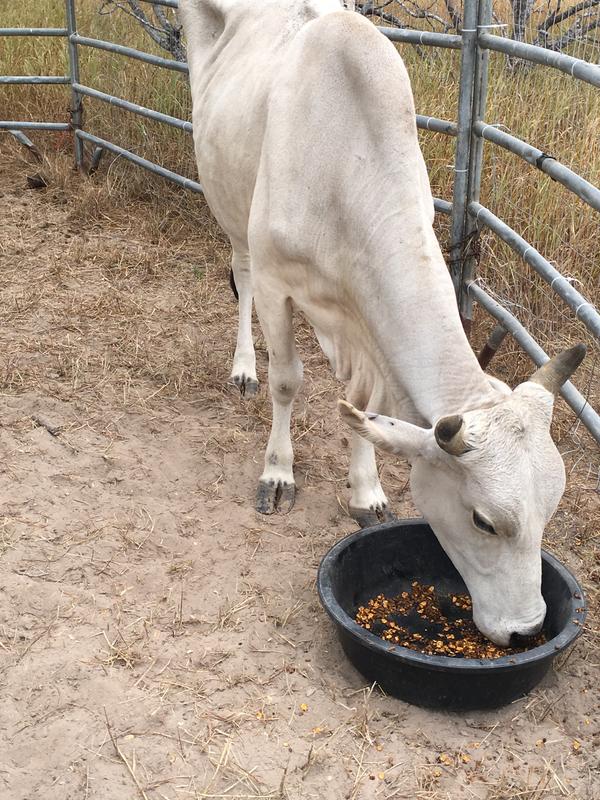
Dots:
{"x": 454, "y": 14}
{"x": 165, "y": 34}
{"x": 556, "y": 17}
{"x": 411, "y": 8}
{"x": 371, "y": 10}
{"x": 576, "y": 33}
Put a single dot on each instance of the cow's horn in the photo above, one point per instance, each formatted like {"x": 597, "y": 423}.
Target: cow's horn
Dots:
{"x": 449, "y": 435}
{"x": 559, "y": 369}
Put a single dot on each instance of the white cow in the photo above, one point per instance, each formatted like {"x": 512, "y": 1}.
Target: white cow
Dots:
{"x": 306, "y": 142}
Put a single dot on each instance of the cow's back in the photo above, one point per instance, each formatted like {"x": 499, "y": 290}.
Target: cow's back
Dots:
{"x": 342, "y": 212}
{"x": 235, "y": 52}
{"x": 341, "y": 147}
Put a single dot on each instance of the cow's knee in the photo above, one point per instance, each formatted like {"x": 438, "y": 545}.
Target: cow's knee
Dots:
{"x": 285, "y": 380}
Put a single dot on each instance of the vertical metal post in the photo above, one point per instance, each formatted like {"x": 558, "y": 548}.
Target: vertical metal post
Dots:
{"x": 471, "y": 234}
{"x": 76, "y": 101}
{"x": 460, "y": 197}
{"x": 463, "y": 139}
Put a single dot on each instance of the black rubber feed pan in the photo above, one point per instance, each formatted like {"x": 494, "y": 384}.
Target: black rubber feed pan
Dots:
{"x": 386, "y": 559}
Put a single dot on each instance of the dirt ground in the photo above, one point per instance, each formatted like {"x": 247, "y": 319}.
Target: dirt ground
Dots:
{"x": 158, "y": 638}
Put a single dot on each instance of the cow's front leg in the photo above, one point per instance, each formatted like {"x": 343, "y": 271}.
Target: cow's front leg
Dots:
{"x": 276, "y": 487}
{"x": 243, "y": 372}
{"x": 368, "y": 503}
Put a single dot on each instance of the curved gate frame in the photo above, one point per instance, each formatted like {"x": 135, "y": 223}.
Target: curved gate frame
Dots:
{"x": 468, "y": 216}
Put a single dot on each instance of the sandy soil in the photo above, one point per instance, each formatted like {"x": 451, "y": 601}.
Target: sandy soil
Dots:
{"x": 158, "y": 639}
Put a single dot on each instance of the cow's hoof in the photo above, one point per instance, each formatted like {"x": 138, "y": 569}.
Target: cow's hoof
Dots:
{"x": 275, "y": 497}
{"x": 367, "y": 517}
{"x": 248, "y": 386}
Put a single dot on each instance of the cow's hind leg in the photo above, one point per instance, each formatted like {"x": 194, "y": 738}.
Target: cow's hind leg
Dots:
{"x": 276, "y": 487}
{"x": 368, "y": 503}
{"x": 243, "y": 372}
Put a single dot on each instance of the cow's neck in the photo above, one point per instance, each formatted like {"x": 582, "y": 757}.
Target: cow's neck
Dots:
{"x": 411, "y": 309}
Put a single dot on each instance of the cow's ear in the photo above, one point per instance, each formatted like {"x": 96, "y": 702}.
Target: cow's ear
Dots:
{"x": 392, "y": 435}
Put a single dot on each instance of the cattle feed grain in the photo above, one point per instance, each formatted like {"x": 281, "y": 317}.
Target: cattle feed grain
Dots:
{"x": 433, "y": 624}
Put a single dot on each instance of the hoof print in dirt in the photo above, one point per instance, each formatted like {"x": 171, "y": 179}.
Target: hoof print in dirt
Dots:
{"x": 36, "y": 181}
{"x": 367, "y": 517}
{"x": 275, "y": 498}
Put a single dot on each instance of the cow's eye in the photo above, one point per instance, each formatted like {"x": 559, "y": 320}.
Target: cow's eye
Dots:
{"x": 483, "y": 524}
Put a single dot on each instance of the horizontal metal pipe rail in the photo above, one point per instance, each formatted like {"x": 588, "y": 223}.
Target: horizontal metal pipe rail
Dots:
{"x": 39, "y": 80}
{"x": 170, "y": 63}
{"x": 130, "y": 52}
{"x": 437, "y": 125}
{"x": 14, "y": 124}
{"x": 168, "y": 3}
{"x": 544, "y": 162}
{"x": 174, "y": 177}
{"x": 442, "y": 206}
{"x": 427, "y": 38}
{"x": 583, "y": 70}
{"x": 583, "y": 309}
{"x": 142, "y": 111}
{"x": 25, "y": 141}
{"x": 33, "y": 31}
{"x": 575, "y": 399}
{"x": 425, "y": 123}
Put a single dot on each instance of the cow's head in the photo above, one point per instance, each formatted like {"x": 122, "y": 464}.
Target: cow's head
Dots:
{"x": 488, "y": 481}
